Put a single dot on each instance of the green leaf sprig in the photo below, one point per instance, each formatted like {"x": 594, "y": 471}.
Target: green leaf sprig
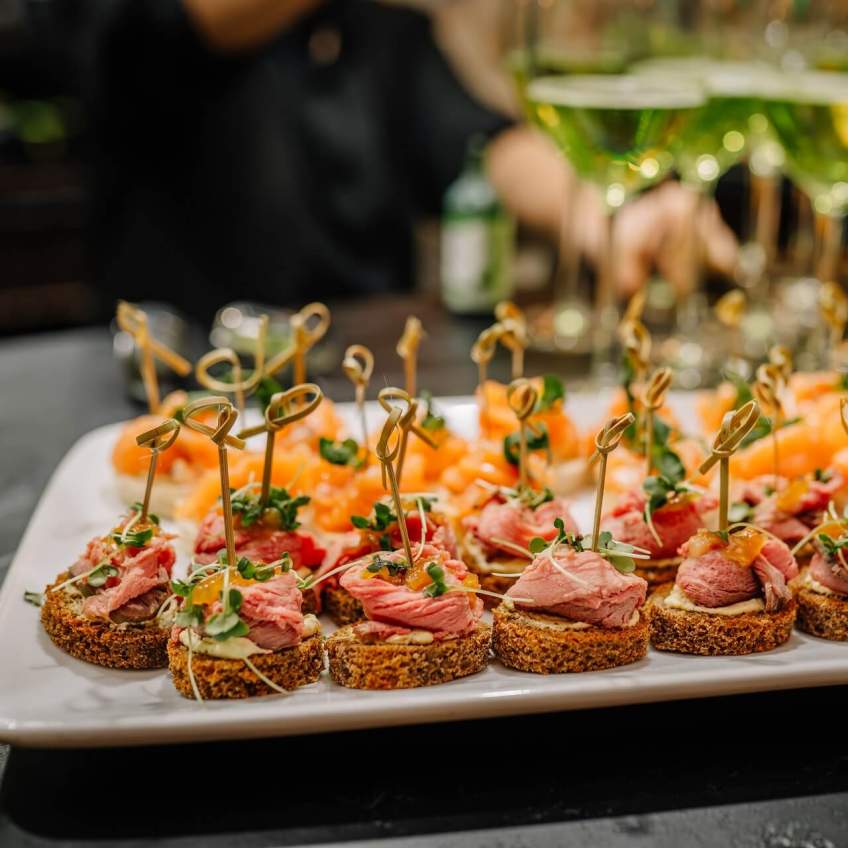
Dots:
{"x": 394, "y": 567}
{"x": 553, "y": 391}
{"x": 538, "y": 441}
{"x": 667, "y": 483}
{"x": 438, "y": 587}
{"x": 563, "y": 537}
{"x": 248, "y": 507}
{"x": 616, "y": 553}
{"x": 228, "y": 624}
{"x": 341, "y": 453}
{"x": 34, "y": 598}
{"x": 102, "y": 573}
{"x": 431, "y": 421}
{"x": 383, "y": 517}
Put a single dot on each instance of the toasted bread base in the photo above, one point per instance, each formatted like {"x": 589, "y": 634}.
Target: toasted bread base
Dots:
{"x": 361, "y": 665}
{"x": 825, "y": 616}
{"x": 686, "y": 632}
{"x": 530, "y": 641}
{"x": 101, "y": 642}
{"x": 657, "y": 571}
{"x": 219, "y": 679}
{"x": 341, "y": 606}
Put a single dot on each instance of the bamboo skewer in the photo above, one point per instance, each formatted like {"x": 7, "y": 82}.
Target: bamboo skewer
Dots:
{"x": 239, "y": 386}
{"x": 734, "y": 427}
{"x": 522, "y": 398}
{"x": 358, "y": 365}
{"x": 407, "y": 350}
{"x": 226, "y": 419}
{"x": 482, "y": 352}
{"x": 308, "y": 327}
{"x": 133, "y": 321}
{"x": 768, "y": 389}
{"x": 606, "y": 441}
{"x": 834, "y": 309}
{"x": 283, "y": 409}
{"x": 513, "y": 334}
{"x": 406, "y": 422}
{"x": 158, "y": 439}
{"x": 653, "y": 400}
{"x": 387, "y": 456}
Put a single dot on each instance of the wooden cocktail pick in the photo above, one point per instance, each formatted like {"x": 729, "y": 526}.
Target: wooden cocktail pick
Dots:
{"x": 730, "y": 308}
{"x": 226, "y": 417}
{"x": 406, "y": 423}
{"x": 407, "y": 350}
{"x": 387, "y": 456}
{"x": 522, "y": 398}
{"x": 158, "y": 439}
{"x": 134, "y": 321}
{"x": 606, "y": 441}
{"x": 781, "y": 356}
{"x": 636, "y": 341}
{"x": 358, "y": 365}
{"x": 482, "y": 352}
{"x": 635, "y": 306}
{"x": 283, "y": 409}
{"x": 834, "y": 309}
{"x": 843, "y": 414}
{"x": 238, "y": 385}
{"x": 513, "y": 334}
{"x": 308, "y": 327}
{"x": 734, "y": 427}
{"x": 653, "y": 399}
{"x": 768, "y": 391}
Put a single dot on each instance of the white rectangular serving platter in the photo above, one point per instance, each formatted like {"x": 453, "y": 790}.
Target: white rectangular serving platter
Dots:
{"x": 48, "y": 699}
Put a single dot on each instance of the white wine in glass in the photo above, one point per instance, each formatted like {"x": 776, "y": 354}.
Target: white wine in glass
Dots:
{"x": 617, "y": 132}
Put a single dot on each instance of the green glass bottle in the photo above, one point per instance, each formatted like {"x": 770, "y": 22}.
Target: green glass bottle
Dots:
{"x": 477, "y": 240}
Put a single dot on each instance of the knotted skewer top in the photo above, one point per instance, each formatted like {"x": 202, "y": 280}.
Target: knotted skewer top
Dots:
{"x": 407, "y": 420}
{"x": 308, "y": 326}
{"x": 226, "y": 419}
{"x": 484, "y": 347}
{"x": 133, "y": 321}
{"x": 513, "y": 333}
{"x": 843, "y": 413}
{"x": 522, "y": 397}
{"x": 610, "y": 435}
{"x": 283, "y": 409}
{"x": 730, "y": 308}
{"x": 781, "y": 357}
{"x": 160, "y": 438}
{"x": 768, "y": 389}
{"x": 655, "y": 391}
{"x": 407, "y": 350}
{"x": 834, "y": 308}
{"x": 636, "y": 305}
{"x": 636, "y": 341}
{"x": 387, "y": 455}
{"x": 238, "y": 386}
{"x": 358, "y": 365}
{"x": 735, "y": 426}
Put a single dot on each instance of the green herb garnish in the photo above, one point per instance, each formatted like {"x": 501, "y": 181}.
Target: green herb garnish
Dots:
{"x": 534, "y": 500}
{"x": 340, "y": 453}
{"x": 740, "y": 512}
{"x": 34, "y": 598}
{"x": 553, "y": 390}
{"x": 617, "y": 553}
{"x": 133, "y": 539}
{"x": 438, "y": 587}
{"x": 101, "y": 574}
{"x": 249, "y": 508}
{"x": 822, "y": 475}
{"x": 391, "y": 565}
{"x": 266, "y": 389}
{"x": 535, "y": 442}
{"x": 383, "y": 517}
{"x": 431, "y": 421}
{"x": 227, "y": 623}
{"x": 138, "y": 507}
{"x": 832, "y": 546}
{"x": 667, "y": 483}
{"x": 538, "y": 543}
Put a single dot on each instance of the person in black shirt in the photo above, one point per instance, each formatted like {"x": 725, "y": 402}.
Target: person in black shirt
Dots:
{"x": 281, "y": 151}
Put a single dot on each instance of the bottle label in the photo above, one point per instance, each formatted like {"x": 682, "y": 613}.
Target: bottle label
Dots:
{"x": 465, "y": 260}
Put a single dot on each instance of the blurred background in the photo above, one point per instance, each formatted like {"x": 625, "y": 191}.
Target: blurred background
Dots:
{"x": 565, "y": 153}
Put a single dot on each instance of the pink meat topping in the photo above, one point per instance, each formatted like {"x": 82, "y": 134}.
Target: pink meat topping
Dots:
{"x": 273, "y": 612}
{"x": 257, "y": 543}
{"x": 713, "y": 580}
{"x": 139, "y": 571}
{"x": 579, "y": 586}
{"x": 674, "y": 523}
{"x": 517, "y": 524}
{"x": 453, "y": 613}
{"x": 792, "y": 526}
{"x": 832, "y": 574}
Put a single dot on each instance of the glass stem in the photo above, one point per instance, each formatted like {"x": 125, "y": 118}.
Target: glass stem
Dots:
{"x": 828, "y": 247}
{"x": 606, "y": 303}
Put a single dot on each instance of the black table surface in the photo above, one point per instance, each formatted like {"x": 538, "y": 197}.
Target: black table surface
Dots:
{"x": 758, "y": 770}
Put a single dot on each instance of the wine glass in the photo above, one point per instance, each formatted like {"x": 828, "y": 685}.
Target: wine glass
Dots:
{"x": 617, "y": 132}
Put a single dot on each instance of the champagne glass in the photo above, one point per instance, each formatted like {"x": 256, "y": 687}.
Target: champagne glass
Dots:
{"x": 617, "y": 132}
{"x": 810, "y": 117}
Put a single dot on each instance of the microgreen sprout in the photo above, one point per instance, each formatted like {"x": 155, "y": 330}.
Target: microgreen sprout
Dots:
{"x": 537, "y": 441}
{"x": 346, "y": 452}
{"x": 431, "y": 421}
{"x": 280, "y": 510}
{"x": 438, "y": 587}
